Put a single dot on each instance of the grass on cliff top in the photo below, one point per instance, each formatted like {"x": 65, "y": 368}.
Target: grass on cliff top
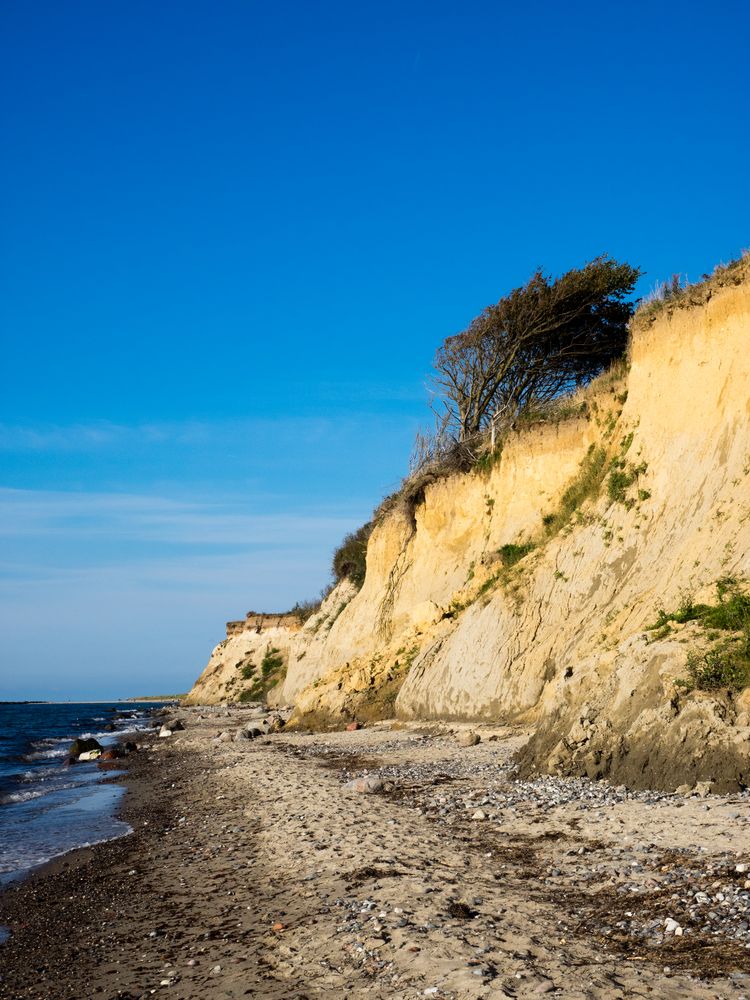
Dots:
{"x": 667, "y": 296}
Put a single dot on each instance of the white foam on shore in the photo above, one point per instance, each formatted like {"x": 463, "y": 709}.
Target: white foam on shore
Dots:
{"x": 22, "y": 796}
{"x": 45, "y": 754}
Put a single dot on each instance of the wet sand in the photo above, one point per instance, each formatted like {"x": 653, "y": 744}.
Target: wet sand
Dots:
{"x": 254, "y": 872}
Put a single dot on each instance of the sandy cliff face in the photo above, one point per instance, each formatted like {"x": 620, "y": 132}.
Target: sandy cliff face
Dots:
{"x": 442, "y": 629}
{"x": 236, "y": 665}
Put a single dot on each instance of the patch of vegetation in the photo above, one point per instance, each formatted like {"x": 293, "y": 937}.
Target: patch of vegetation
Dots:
{"x": 488, "y": 459}
{"x": 350, "y": 558}
{"x": 585, "y": 486}
{"x": 271, "y": 671}
{"x": 379, "y": 701}
{"x": 731, "y": 613}
{"x": 618, "y": 484}
{"x": 727, "y": 663}
{"x": 247, "y": 670}
{"x": 271, "y": 661}
{"x": 667, "y": 296}
{"x": 717, "y": 669}
{"x": 304, "y": 610}
{"x": 512, "y": 554}
{"x": 623, "y": 475}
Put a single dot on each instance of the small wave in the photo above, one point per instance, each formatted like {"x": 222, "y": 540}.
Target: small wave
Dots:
{"x": 45, "y": 754}
{"x": 39, "y": 774}
{"x": 21, "y": 796}
{"x": 9, "y": 798}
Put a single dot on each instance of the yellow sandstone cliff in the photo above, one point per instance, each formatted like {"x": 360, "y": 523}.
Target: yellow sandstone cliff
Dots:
{"x": 640, "y": 500}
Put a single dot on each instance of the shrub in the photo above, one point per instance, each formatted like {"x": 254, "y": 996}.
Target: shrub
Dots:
{"x": 350, "y": 558}
{"x": 511, "y": 554}
{"x": 731, "y": 613}
{"x": 271, "y": 672}
{"x": 727, "y": 664}
{"x": 718, "y": 668}
{"x": 618, "y": 484}
{"x": 271, "y": 661}
{"x": 304, "y": 610}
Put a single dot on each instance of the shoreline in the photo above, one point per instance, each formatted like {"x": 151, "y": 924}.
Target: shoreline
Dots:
{"x": 253, "y": 871}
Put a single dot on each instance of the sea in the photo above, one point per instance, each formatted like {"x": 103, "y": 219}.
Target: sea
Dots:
{"x": 46, "y": 808}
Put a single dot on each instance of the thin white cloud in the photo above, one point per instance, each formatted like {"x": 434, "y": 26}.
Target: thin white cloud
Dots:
{"x": 135, "y": 517}
{"x": 99, "y": 436}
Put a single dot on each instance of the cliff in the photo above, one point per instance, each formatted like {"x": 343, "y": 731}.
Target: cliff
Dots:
{"x": 524, "y": 592}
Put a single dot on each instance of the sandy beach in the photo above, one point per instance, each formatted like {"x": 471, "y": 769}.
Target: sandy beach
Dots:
{"x": 254, "y": 871}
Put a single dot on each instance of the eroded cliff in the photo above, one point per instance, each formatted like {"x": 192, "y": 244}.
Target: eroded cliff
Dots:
{"x": 524, "y": 592}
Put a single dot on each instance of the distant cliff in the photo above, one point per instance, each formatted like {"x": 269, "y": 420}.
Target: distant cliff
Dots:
{"x": 526, "y": 591}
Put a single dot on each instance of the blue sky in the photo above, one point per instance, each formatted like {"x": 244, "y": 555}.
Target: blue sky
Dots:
{"x": 233, "y": 235}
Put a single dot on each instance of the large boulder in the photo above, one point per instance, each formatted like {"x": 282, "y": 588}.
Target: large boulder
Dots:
{"x": 81, "y": 746}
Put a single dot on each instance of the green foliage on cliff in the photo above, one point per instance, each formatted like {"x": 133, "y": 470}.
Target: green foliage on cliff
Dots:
{"x": 585, "y": 486}
{"x": 511, "y": 554}
{"x": 731, "y": 613}
{"x": 538, "y": 342}
{"x": 350, "y": 558}
{"x": 272, "y": 670}
{"x": 717, "y": 669}
{"x": 726, "y": 664}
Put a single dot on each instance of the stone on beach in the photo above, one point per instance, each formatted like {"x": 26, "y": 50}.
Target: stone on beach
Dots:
{"x": 367, "y": 784}
{"x": 468, "y": 738}
{"x": 83, "y": 745}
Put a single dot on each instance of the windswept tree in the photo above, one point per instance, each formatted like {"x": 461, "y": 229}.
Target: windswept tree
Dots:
{"x": 540, "y": 341}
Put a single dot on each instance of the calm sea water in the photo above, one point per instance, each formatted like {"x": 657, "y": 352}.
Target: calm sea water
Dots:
{"x": 47, "y": 809}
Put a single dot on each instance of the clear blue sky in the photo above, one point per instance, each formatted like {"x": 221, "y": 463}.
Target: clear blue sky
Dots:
{"x": 233, "y": 235}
